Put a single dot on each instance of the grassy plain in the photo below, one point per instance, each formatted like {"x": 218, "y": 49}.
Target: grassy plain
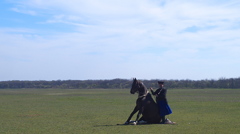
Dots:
{"x": 74, "y": 111}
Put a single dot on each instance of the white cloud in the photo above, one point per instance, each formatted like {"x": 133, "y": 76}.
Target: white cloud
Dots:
{"x": 125, "y": 39}
{"x": 30, "y": 12}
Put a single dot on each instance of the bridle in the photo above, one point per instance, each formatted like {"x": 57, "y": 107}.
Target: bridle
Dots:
{"x": 144, "y": 95}
{"x": 140, "y": 85}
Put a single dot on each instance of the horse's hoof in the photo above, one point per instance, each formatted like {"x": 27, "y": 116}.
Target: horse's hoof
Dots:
{"x": 142, "y": 122}
{"x": 167, "y": 121}
{"x": 133, "y": 122}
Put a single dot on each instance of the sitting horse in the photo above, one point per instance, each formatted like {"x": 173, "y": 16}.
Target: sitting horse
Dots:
{"x": 145, "y": 105}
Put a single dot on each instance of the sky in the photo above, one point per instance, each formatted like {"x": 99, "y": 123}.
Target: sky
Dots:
{"x": 108, "y": 39}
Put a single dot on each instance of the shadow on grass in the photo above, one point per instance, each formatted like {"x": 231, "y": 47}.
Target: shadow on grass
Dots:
{"x": 124, "y": 125}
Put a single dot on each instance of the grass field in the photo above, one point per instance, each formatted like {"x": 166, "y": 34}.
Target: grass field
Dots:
{"x": 74, "y": 111}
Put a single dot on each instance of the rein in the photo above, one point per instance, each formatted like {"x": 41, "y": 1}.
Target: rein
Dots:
{"x": 144, "y": 89}
{"x": 144, "y": 95}
{"x": 141, "y": 89}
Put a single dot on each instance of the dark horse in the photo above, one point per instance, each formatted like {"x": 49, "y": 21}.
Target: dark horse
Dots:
{"x": 145, "y": 105}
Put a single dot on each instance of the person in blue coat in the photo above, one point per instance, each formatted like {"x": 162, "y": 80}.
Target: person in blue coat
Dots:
{"x": 161, "y": 99}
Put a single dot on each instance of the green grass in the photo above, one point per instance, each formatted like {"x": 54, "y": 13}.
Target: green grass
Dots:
{"x": 55, "y": 111}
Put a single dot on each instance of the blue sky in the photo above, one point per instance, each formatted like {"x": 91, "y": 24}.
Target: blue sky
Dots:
{"x": 107, "y": 39}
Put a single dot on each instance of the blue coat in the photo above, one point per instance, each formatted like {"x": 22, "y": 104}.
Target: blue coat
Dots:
{"x": 164, "y": 108}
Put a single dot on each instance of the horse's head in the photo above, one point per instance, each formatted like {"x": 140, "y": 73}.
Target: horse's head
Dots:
{"x": 135, "y": 86}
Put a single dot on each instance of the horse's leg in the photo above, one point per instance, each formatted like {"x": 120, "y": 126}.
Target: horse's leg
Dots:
{"x": 139, "y": 113}
{"x": 133, "y": 112}
{"x": 142, "y": 118}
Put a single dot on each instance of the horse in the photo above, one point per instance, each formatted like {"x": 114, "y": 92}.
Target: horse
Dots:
{"x": 145, "y": 105}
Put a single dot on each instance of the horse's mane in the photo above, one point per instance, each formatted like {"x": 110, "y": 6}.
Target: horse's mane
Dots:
{"x": 141, "y": 83}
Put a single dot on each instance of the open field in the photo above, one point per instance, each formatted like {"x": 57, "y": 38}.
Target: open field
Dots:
{"x": 38, "y": 111}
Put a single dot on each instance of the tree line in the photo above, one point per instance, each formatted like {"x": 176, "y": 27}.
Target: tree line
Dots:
{"x": 121, "y": 84}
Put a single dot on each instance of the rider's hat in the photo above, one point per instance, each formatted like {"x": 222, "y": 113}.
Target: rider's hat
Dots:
{"x": 160, "y": 82}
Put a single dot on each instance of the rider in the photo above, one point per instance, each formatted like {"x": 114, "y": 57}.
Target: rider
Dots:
{"x": 164, "y": 108}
